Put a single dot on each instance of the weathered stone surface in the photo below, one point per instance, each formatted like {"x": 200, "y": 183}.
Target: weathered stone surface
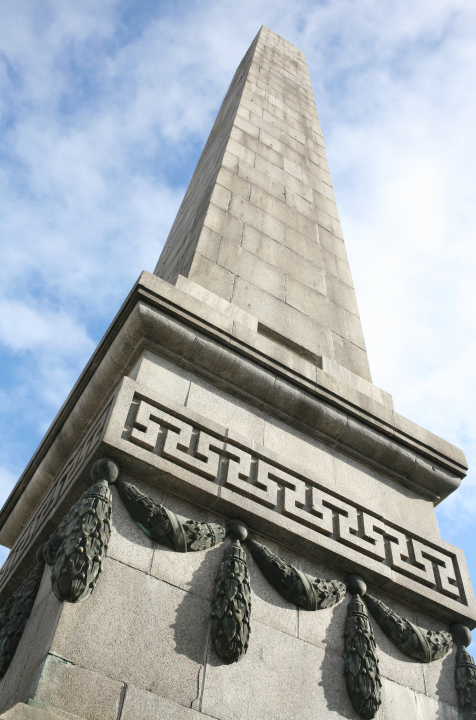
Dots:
{"x": 139, "y": 628}
{"x": 20, "y": 680}
{"x": 75, "y": 689}
{"x": 281, "y": 676}
{"x": 143, "y": 705}
{"x": 20, "y": 711}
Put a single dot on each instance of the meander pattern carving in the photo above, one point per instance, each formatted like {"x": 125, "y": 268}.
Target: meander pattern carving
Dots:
{"x": 79, "y": 544}
{"x": 261, "y": 478}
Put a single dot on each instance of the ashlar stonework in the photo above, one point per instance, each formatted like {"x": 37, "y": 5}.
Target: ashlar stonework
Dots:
{"x": 227, "y": 519}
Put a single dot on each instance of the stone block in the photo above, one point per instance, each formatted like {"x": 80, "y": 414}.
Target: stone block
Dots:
{"x": 257, "y": 147}
{"x": 209, "y": 298}
{"x": 223, "y": 223}
{"x": 248, "y": 266}
{"x": 240, "y": 151}
{"x": 428, "y": 708}
{"x": 344, "y": 272}
{"x": 154, "y": 371}
{"x": 351, "y": 357}
{"x": 332, "y": 243}
{"x": 233, "y": 182}
{"x": 264, "y": 247}
{"x": 208, "y": 244}
{"x": 212, "y": 276}
{"x": 77, "y": 690}
{"x": 342, "y": 294}
{"x": 282, "y": 318}
{"x": 263, "y": 221}
{"x": 223, "y": 408}
{"x": 139, "y": 628}
{"x": 143, "y": 705}
{"x": 314, "y": 304}
{"x": 20, "y": 711}
{"x": 247, "y": 126}
{"x": 398, "y": 702}
{"x": 256, "y": 177}
{"x": 354, "y": 330}
{"x": 220, "y": 197}
{"x": 310, "y": 250}
{"x": 293, "y": 168}
{"x": 280, "y": 677}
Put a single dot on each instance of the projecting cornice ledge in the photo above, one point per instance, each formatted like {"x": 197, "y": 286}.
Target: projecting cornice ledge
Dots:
{"x": 165, "y": 319}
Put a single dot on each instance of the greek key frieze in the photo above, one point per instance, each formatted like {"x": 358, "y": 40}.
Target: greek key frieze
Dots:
{"x": 253, "y": 475}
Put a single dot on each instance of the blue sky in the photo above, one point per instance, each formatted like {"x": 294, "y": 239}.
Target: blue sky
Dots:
{"x": 104, "y": 110}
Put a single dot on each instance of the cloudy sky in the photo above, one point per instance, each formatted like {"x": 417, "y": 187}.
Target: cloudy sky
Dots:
{"x": 104, "y": 110}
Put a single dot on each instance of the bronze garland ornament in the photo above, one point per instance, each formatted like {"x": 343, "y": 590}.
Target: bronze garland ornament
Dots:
{"x": 416, "y": 642}
{"x": 465, "y": 672}
{"x": 231, "y": 605}
{"x": 361, "y": 666}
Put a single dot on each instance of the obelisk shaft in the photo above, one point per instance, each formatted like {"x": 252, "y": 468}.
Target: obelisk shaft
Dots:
{"x": 259, "y": 224}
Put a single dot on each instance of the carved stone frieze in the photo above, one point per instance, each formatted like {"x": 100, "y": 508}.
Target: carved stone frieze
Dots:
{"x": 231, "y": 606}
{"x": 196, "y": 456}
{"x": 16, "y": 611}
{"x": 295, "y": 586}
{"x": 416, "y": 642}
{"x": 164, "y": 526}
{"x": 361, "y": 666}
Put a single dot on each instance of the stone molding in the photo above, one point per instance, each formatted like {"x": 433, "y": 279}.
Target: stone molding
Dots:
{"x": 157, "y": 315}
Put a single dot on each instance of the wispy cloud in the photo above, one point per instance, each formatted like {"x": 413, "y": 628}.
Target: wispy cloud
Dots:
{"x": 104, "y": 109}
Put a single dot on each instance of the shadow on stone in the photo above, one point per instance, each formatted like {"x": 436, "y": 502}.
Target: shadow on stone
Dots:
{"x": 187, "y": 618}
{"x": 332, "y": 671}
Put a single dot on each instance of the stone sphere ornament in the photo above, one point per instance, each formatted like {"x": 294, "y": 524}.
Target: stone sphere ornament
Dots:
{"x": 461, "y": 634}
{"x": 237, "y": 530}
{"x": 356, "y": 585}
{"x": 105, "y": 469}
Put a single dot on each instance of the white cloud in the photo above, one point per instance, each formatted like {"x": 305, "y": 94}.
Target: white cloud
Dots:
{"x": 105, "y": 110}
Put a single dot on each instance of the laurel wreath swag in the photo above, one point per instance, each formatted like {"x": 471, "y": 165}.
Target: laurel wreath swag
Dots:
{"x": 76, "y": 549}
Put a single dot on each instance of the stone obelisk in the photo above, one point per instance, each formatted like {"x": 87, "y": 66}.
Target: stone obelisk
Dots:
{"x": 228, "y": 465}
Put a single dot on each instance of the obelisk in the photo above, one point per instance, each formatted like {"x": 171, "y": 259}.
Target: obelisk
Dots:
{"x": 227, "y": 519}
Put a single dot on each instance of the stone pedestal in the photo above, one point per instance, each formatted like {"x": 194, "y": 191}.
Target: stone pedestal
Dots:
{"x": 236, "y": 386}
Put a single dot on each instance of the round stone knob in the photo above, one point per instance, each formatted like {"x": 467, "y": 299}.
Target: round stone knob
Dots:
{"x": 237, "y": 530}
{"x": 105, "y": 469}
{"x": 355, "y": 585}
{"x": 461, "y": 634}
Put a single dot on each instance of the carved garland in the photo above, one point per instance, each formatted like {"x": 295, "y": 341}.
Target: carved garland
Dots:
{"x": 78, "y": 546}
